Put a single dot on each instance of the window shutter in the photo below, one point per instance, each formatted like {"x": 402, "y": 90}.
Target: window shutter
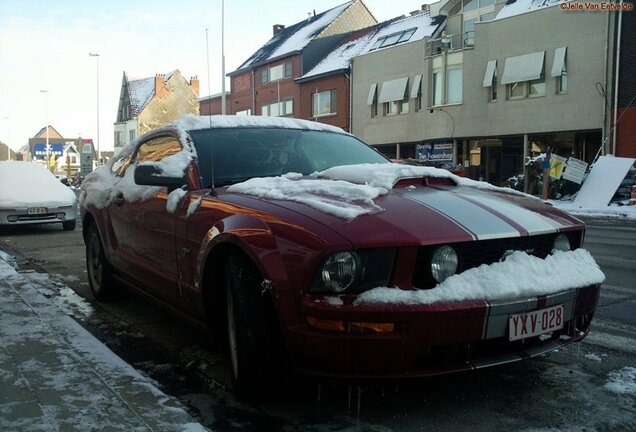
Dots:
{"x": 288, "y": 69}
{"x": 332, "y": 107}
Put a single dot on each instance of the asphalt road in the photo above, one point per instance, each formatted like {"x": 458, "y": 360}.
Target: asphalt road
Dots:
{"x": 562, "y": 391}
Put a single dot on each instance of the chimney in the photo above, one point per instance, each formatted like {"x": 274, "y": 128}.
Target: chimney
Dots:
{"x": 278, "y": 28}
{"x": 194, "y": 83}
{"x": 426, "y": 8}
{"x": 160, "y": 86}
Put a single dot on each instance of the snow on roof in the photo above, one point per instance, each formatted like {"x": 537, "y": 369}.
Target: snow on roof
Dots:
{"x": 295, "y": 37}
{"x": 29, "y": 184}
{"x": 517, "y": 7}
{"x": 192, "y": 122}
{"x": 533, "y": 276}
{"x": 142, "y": 90}
{"x": 422, "y": 24}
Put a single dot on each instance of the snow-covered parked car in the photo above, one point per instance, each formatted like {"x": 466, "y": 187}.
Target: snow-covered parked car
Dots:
{"x": 30, "y": 194}
{"x": 295, "y": 237}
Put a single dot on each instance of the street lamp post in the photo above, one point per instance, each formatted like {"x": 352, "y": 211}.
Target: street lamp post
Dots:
{"x": 96, "y": 55}
{"x": 46, "y": 118}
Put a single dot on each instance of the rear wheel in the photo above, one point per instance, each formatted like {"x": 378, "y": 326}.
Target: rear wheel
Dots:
{"x": 99, "y": 272}
{"x": 248, "y": 328}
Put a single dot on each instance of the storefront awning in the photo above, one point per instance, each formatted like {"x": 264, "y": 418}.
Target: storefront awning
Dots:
{"x": 559, "y": 62}
{"x": 371, "y": 97}
{"x": 522, "y": 68}
{"x": 393, "y": 90}
{"x": 491, "y": 70}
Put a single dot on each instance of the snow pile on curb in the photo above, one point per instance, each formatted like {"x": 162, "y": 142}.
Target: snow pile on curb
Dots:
{"x": 519, "y": 276}
{"x": 622, "y": 381}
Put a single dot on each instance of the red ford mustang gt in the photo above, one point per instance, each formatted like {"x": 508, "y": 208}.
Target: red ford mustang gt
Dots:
{"x": 295, "y": 237}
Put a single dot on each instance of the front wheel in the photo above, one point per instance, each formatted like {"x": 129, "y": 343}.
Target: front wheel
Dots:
{"x": 248, "y": 326}
{"x": 69, "y": 225}
{"x": 99, "y": 272}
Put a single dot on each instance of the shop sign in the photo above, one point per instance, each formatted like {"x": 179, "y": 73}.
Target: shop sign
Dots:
{"x": 86, "y": 158}
{"x": 41, "y": 149}
{"x": 434, "y": 152}
{"x": 575, "y": 170}
{"x": 557, "y": 163}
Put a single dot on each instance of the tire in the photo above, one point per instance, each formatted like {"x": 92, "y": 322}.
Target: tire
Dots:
{"x": 69, "y": 225}
{"x": 100, "y": 277}
{"x": 248, "y": 328}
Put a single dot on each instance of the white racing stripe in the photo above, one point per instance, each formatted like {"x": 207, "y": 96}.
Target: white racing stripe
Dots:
{"x": 479, "y": 221}
{"x": 532, "y": 222}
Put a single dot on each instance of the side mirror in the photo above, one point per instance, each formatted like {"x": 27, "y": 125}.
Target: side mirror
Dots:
{"x": 152, "y": 175}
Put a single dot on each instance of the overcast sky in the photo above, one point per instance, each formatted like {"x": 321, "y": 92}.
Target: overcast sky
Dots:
{"x": 44, "y": 45}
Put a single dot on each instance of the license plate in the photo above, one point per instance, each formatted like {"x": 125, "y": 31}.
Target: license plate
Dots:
{"x": 36, "y": 210}
{"x": 535, "y": 323}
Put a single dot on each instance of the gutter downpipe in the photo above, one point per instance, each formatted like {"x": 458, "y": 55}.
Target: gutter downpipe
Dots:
{"x": 618, "y": 63}
{"x": 253, "y": 94}
{"x": 350, "y": 95}
{"x": 605, "y": 141}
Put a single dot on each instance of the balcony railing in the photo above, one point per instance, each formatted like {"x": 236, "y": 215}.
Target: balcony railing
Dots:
{"x": 454, "y": 42}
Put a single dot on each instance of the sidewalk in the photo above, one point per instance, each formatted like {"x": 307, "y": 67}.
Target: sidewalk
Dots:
{"x": 55, "y": 376}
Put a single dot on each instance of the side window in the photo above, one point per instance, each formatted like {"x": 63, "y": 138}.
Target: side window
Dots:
{"x": 157, "y": 149}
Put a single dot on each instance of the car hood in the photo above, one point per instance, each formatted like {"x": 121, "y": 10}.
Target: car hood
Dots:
{"x": 420, "y": 215}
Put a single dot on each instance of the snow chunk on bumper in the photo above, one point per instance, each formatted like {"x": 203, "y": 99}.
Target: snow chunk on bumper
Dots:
{"x": 519, "y": 276}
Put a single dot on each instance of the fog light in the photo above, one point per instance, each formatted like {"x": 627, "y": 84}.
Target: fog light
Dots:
{"x": 561, "y": 243}
{"x": 444, "y": 263}
{"x": 60, "y": 215}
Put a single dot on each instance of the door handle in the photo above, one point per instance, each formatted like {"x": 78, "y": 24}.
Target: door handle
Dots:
{"x": 119, "y": 200}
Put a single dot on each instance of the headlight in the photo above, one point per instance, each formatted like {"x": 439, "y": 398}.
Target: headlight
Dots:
{"x": 561, "y": 243}
{"x": 354, "y": 271}
{"x": 443, "y": 263}
{"x": 338, "y": 271}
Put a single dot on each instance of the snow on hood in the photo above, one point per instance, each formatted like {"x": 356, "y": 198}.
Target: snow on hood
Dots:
{"x": 348, "y": 191}
{"x": 533, "y": 276}
{"x": 28, "y": 184}
{"x": 339, "y": 198}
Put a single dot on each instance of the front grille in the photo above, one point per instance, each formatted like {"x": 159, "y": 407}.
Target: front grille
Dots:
{"x": 37, "y": 217}
{"x": 475, "y": 253}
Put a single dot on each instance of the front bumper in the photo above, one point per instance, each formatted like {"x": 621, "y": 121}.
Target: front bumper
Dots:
{"x": 430, "y": 339}
{"x": 21, "y": 216}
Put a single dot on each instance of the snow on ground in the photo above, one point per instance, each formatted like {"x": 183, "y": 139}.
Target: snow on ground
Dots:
{"x": 78, "y": 382}
{"x": 610, "y": 211}
{"x": 593, "y": 357}
{"x": 28, "y": 184}
{"x": 533, "y": 276}
{"x": 622, "y": 381}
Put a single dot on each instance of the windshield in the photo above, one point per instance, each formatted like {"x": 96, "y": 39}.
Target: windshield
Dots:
{"x": 236, "y": 155}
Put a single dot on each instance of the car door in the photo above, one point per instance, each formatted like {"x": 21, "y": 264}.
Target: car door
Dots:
{"x": 143, "y": 228}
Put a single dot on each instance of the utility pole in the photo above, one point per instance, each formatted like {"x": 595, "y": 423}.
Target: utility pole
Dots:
{"x": 96, "y": 55}
{"x": 46, "y": 118}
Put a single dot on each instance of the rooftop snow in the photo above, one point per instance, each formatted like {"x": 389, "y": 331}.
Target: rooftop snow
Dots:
{"x": 519, "y": 7}
{"x": 141, "y": 92}
{"x": 29, "y": 184}
{"x": 339, "y": 58}
{"x": 295, "y": 37}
